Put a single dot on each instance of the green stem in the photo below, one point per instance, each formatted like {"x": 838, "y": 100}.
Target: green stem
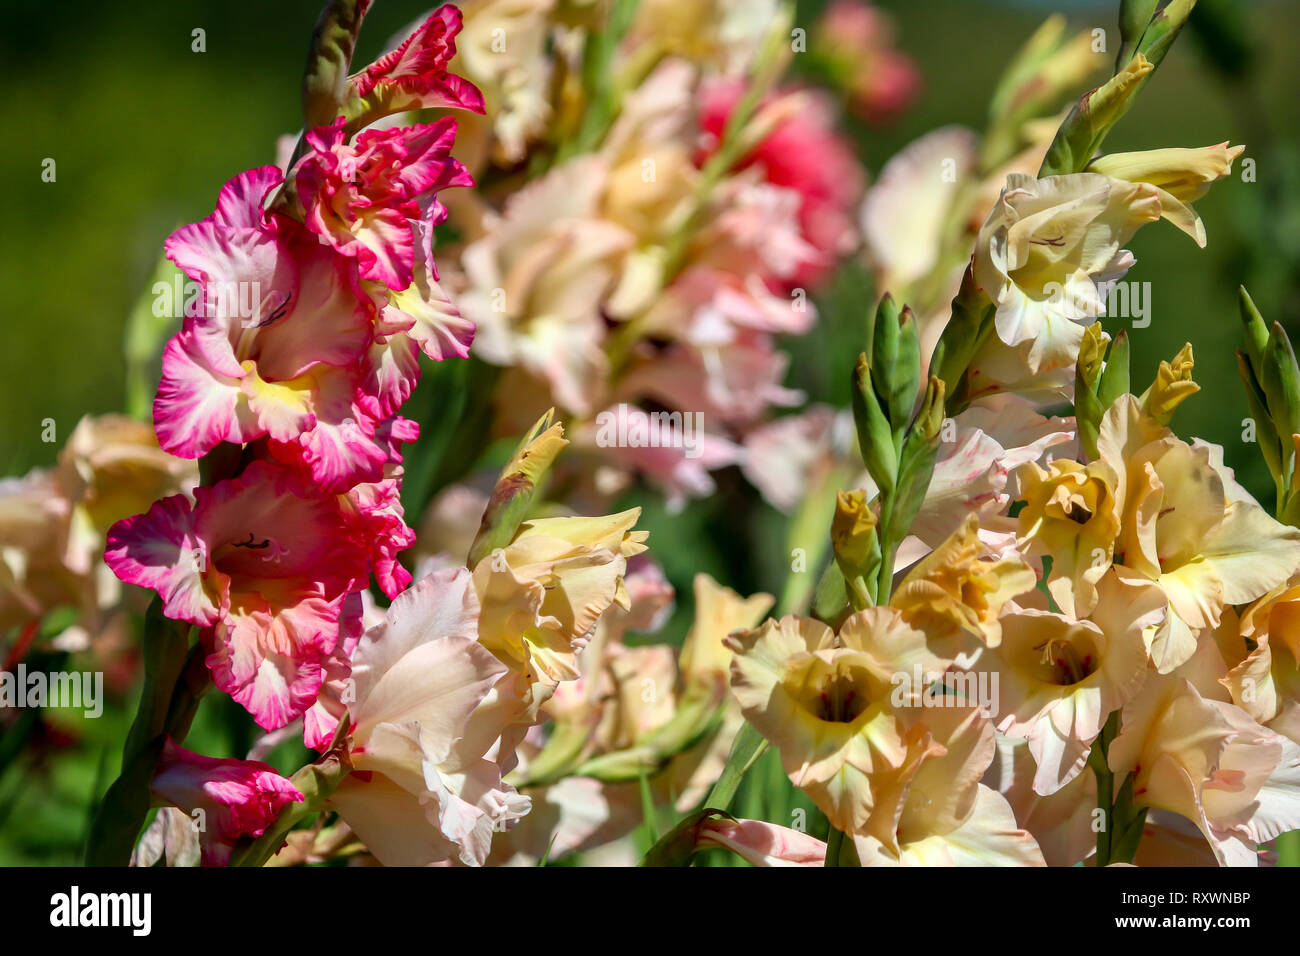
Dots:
{"x": 748, "y": 746}
{"x": 176, "y": 678}
{"x": 834, "y": 844}
{"x": 1098, "y": 759}
{"x": 316, "y": 781}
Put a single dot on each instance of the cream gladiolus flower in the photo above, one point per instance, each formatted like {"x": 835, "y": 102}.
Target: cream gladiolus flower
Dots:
{"x": 1044, "y": 249}
{"x": 423, "y": 788}
{"x": 1061, "y": 678}
{"x": 824, "y": 699}
{"x": 1188, "y": 526}
{"x": 511, "y": 75}
{"x": 1208, "y": 761}
{"x": 1061, "y": 822}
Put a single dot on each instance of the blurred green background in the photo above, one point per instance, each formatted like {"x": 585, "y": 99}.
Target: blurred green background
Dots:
{"x": 144, "y": 130}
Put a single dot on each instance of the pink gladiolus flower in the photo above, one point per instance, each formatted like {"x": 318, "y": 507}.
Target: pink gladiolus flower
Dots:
{"x": 225, "y": 799}
{"x": 414, "y": 76}
{"x": 263, "y": 562}
{"x": 361, "y": 198}
{"x": 279, "y": 348}
{"x": 321, "y": 720}
{"x": 803, "y": 153}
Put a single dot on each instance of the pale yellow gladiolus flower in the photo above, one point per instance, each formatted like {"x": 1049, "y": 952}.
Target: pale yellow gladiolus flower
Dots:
{"x": 1070, "y": 514}
{"x": 543, "y": 593}
{"x": 719, "y": 611}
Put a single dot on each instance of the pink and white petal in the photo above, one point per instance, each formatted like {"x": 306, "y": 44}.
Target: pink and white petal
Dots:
{"x": 392, "y": 372}
{"x": 162, "y": 549}
{"x": 274, "y": 677}
{"x": 198, "y": 407}
{"x": 321, "y": 720}
{"x": 762, "y": 844}
{"x": 242, "y": 199}
{"x": 340, "y": 450}
{"x": 434, "y": 321}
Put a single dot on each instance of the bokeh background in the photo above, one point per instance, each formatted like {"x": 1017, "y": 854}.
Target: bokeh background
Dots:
{"x": 143, "y": 130}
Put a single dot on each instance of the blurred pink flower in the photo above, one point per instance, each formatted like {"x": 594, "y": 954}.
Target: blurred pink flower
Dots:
{"x": 858, "y": 40}
{"x": 803, "y": 152}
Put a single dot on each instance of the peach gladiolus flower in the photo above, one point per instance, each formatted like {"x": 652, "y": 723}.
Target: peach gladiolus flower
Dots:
{"x": 824, "y": 699}
{"x": 1061, "y": 678}
{"x": 1188, "y": 526}
{"x": 1208, "y": 761}
{"x": 945, "y": 816}
{"x": 1265, "y": 681}
{"x": 955, "y": 590}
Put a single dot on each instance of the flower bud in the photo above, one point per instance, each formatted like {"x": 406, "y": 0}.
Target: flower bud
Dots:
{"x": 514, "y": 490}
{"x": 1186, "y": 174}
{"x": 332, "y": 44}
{"x": 1092, "y": 117}
{"x": 1172, "y": 385}
{"x": 1114, "y": 378}
{"x": 1280, "y": 379}
{"x": 853, "y": 529}
{"x": 875, "y": 437}
{"x": 226, "y": 799}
